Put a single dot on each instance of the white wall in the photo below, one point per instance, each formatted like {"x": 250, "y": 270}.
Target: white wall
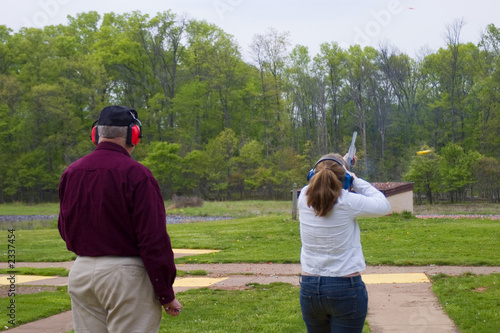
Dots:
{"x": 401, "y": 202}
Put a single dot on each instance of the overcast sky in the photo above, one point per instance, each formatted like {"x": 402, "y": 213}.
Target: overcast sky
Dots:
{"x": 409, "y": 25}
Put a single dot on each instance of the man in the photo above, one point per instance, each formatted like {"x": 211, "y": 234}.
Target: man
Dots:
{"x": 112, "y": 216}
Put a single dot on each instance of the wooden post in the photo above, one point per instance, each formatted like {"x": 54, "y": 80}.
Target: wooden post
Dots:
{"x": 294, "y": 201}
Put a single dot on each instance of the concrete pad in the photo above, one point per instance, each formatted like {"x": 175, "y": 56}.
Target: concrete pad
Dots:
{"x": 241, "y": 281}
{"x": 190, "y": 252}
{"x": 407, "y": 307}
{"x": 51, "y": 281}
{"x": 193, "y": 251}
{"x": 59, "y": 323}
{"x": 197, "y": 281}
{"x": 395, "y": 278}
{"x": 22, "y": 279}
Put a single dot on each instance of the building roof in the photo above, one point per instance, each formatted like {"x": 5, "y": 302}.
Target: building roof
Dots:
{"x": 393, "y": 188}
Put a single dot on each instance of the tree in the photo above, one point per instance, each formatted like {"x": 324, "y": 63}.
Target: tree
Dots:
{"x": 145, "y": 58}
{"x": 166, "y": 165}
{"x": 220, "y": 152}
{"x": 490, "y": 40}
{"x": 453, "y": 41}
{"x": 487, "y": 90}
{"x": 448, "y": 94}
{"x": 5, "y": 55}
{"x": 300, "y": 91}
{"x": 423, "y": 173}
{"x": 487, "y": 174}
{"x": 270, "y": 52}
{"x": 331, "y": 61}
{"x": 195, "y": 174}
{"x": 403, "y": 76}
{"x": 220, "y": 127}
{"x": 361, "y": 68}
{"x": 456, "y": 170}
{"x": 251, "y": 156}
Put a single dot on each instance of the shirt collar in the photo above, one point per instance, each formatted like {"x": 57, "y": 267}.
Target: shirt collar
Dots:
{"x": 112, "y": 146}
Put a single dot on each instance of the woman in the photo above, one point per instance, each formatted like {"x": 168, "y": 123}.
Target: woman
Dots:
{"x": 333, "y": 297}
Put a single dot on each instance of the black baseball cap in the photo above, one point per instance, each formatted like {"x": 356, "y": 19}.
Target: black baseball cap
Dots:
{"x": 116, "y": 115}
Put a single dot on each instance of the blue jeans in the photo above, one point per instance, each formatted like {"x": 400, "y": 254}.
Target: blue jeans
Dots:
{"x": 333, "y": 304}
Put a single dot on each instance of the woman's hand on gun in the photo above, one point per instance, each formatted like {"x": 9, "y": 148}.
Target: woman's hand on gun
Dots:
{"x": 354, "y": 159}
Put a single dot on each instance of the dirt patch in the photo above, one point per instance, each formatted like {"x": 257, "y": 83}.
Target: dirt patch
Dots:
{"x": 4, "y": 290}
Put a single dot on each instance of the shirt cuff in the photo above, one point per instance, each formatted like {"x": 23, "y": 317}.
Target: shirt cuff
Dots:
{"x": 165, "y": 296}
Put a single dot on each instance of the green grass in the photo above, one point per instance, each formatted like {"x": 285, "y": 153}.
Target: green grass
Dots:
{"x": 181, "y": 273}
{"x": 250, "y": 208}
{"x": 256, "y": 239}
{"x": 398, "y": 241}
{"x": 261, "y": 308}
{"x": 29, "y": 225}
{"x": 30, "y": 307}
{"x": 247, "y": 208}
{"x": 389, "y": 240}
{"x": 29, "y": 209}
{"x": 51, "y": 271}
{"x": 259, "y": 237}
{"x": 210, "y": 208}
{"x": 36, "y": 245}
{"x": 471, "y": 301}
{"x": 458, "y": 208}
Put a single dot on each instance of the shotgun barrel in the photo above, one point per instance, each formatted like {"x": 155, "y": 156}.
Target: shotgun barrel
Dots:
{"x": 352, "y": 152}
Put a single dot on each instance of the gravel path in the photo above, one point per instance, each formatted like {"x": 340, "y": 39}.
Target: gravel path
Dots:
{"x": 458, "y": 216}
{"x": 16, "y": 218}
{"x": 171, "y": 219}
{"x": 176, "y": 219}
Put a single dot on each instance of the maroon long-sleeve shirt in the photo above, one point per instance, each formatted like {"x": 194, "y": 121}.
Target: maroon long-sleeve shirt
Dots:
{"x": 111, "y": 205}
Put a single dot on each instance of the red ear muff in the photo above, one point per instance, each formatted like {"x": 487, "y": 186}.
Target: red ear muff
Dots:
{"x": 135, "y": 135}
{"x": 134, "y": 130}
{"x": 94, "y": 134}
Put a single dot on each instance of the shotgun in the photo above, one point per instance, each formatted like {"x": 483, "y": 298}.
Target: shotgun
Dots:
{"x": 352, "y": 152}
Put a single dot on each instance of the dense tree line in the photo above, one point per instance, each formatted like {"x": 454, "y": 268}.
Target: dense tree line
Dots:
{"x": 220, "y": 127}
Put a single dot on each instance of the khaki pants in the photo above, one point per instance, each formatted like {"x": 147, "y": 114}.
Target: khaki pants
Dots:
{"x": 112, "y": 294}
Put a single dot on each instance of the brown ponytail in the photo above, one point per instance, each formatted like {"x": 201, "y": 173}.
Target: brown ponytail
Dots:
{"x": 325, "y": 187}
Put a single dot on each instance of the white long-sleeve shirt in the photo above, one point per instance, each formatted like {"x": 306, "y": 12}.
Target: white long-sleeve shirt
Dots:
{"x": 331, "y": 244}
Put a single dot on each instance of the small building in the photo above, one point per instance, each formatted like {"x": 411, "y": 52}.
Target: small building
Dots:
{"x": 400, "y": 195}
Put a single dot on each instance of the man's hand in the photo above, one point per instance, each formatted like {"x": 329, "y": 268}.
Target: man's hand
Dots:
{"x": 173, "y": 308}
